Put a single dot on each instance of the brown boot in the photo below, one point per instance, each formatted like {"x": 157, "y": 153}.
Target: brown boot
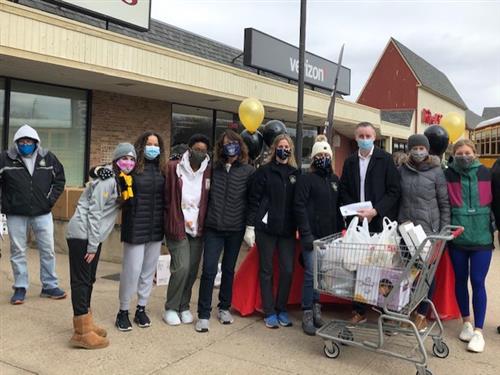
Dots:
{"x": 84, "y": 336}
{"x": 99, "y": 330}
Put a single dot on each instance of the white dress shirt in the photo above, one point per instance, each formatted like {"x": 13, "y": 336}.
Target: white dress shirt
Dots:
{"x": 363, "y": 166}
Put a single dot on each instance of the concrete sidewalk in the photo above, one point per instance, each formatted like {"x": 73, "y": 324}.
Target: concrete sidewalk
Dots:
{"x": 34, "y": 338}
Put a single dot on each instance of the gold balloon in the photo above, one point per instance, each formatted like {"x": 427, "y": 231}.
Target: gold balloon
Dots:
{"x": 454, "y": 124}
{"x": 251, "y": 113}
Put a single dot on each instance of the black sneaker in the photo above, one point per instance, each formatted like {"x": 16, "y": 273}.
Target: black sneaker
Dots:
{"x": 140, "y": 318}
{"x": 122, "y": 321}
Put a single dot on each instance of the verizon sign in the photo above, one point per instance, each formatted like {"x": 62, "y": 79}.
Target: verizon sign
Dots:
{"x": 265, "y": 52}
{"x": 130, "y": 13}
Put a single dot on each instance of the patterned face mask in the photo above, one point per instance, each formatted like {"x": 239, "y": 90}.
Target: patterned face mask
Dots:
{"x": 126, "y": 165}
{"x": 283, "y": 153}
{"x": 232, "y": 149}
{"x": 418, "y": 156}
{"x": 322, "y": 162}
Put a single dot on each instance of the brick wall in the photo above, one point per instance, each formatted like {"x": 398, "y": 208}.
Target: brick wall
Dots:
{"x": 122, "y": 118}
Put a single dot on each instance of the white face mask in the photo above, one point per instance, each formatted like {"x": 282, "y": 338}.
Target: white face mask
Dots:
{"x": 418, "y": 156}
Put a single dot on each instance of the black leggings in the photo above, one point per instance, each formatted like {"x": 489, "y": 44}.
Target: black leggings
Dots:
{"x": 82, "y": 275}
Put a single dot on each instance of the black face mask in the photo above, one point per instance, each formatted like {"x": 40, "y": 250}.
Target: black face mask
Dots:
{"x": 197, "y": 157}
{"x": 322, "y": 162}
{"x": 464, "y": 161}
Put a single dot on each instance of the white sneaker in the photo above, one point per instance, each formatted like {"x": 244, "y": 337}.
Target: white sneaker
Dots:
{"x": 202, "y": 325}
{"x": 476, "y": 344}
{"x": 186, "y": 317}
{"x": 171, "y": 317}
{"x": 225, "y": 317}
{"x": 467, "y": 332}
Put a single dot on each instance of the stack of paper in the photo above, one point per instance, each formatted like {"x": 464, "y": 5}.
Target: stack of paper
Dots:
{"x": 414, "y": 236}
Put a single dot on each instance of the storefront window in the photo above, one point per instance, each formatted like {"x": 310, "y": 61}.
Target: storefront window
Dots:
{"x": 59, "y": 115}
{"x": 399, "y": 145}
{"x": 226, "y": 120}
{"x": 2, "y": 106}
{"x": 309, "y": 134}
{"x": 187, "y": 121}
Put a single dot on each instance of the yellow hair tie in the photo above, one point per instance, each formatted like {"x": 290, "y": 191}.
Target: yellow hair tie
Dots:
{"x": 129, "y": 193}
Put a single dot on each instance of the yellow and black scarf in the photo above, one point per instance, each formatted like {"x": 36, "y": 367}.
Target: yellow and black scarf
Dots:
{"x": 127, "y": 191}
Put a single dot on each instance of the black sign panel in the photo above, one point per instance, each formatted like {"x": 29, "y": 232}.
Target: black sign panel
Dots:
{"x": 265, "y": 52}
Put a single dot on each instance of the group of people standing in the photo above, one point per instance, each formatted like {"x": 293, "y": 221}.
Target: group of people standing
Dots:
{"x": 205, "y": 208}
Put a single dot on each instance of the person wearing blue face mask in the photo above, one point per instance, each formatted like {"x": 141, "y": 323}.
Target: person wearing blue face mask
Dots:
{"x": 142, "y": 229}
{"x": 31, "y": 181}
{"x": 224, "y": 225}
{"x": 370, "y": 175}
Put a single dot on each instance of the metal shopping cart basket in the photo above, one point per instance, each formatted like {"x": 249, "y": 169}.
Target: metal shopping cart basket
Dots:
{"x": 394, "y": 280}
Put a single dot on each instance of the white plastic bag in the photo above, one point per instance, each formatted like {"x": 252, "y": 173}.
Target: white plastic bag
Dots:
{"x": 387, "y": 243}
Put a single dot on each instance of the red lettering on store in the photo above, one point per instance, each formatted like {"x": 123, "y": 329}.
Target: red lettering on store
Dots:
{"x": 130, "y": 2}
{"x": 429, "y": 118}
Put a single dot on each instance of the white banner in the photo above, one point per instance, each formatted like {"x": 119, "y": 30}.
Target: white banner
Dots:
{"x": 132, "y": 12}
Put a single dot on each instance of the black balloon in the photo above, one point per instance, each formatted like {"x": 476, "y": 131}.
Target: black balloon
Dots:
{"x": 438, "y": 139}
{"x": 272, "y": 129}
{"x": 254, "y": 143}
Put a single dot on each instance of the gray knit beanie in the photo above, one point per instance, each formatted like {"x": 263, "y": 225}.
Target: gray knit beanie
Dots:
{"x": 124, "y": 149}
{"x": 418, "y": 140}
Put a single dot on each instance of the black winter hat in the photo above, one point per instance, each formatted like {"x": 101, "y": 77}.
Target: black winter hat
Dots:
{"x": 418, "y": 140}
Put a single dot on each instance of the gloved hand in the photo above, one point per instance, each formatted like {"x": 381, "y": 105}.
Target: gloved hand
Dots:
{"x": 104, "y": 173}
{"x": 249, "y": 236}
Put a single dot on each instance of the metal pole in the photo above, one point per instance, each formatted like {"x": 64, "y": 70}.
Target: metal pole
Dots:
{"x": 300, "y": 101}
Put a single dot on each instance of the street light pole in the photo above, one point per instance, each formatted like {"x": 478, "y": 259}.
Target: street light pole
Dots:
{"x": 300, "y": 101}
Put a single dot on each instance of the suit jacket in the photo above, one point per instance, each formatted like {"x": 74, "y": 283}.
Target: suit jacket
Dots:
{"x": 382, "y": 185}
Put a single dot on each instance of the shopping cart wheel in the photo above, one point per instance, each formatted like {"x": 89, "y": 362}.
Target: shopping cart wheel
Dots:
{"x": 331, "y": 350}
{"x": 440, "y": 350}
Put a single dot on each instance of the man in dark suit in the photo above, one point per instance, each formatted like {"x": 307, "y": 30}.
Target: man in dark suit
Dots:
{"x": 370, "y": 175}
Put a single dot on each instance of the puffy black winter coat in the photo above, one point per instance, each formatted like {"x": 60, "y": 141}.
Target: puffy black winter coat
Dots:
{"x": 382, "y": 185}
{"x": 272, "y": 193}
{"x": 316, "y": 206}
{"x": 142, "y": 215}
{"x": 30, "y": 195}
{"x": 227, "y": 202}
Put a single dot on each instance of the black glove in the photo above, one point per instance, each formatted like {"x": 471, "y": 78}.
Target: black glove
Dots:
{"x": 104, "y": 173}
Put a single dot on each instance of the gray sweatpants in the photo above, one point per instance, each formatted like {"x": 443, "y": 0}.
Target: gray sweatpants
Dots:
{"x": 138, "y": 270}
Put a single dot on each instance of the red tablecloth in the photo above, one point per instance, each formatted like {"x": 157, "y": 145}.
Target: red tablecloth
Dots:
{"x": 246, "y": 288}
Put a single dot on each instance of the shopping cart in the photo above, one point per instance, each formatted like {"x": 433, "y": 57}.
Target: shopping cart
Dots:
{"x": 394, "y": 280}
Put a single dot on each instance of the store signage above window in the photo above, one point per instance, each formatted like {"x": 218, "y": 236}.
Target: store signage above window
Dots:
{"x": 267, "y": 53}
{"x": 130, "y": 13}
{"x": 429, "y": 118}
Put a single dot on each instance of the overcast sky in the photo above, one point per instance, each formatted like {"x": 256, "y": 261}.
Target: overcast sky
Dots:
{"x": 460, "y": 38}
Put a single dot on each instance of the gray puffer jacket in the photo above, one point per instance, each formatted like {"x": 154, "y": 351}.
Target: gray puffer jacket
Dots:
{"x": 424, "y": 195}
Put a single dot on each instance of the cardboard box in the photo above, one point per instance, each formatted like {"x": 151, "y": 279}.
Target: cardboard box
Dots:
{"x": 388, "y": 280}
{"x": 373, "y": 285}
{"x": 367, "y": 284}
{"x": 163, "y": 270}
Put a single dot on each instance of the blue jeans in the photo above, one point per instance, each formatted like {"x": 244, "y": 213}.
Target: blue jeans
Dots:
{"x": 215, "y": 241}
{"x": 310, "y": 296}
{"x": 43, "y": 228}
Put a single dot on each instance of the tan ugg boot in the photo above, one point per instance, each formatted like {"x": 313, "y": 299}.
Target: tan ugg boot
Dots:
{"x": 84, "y": 336}
{"x": 99, "y": 330}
